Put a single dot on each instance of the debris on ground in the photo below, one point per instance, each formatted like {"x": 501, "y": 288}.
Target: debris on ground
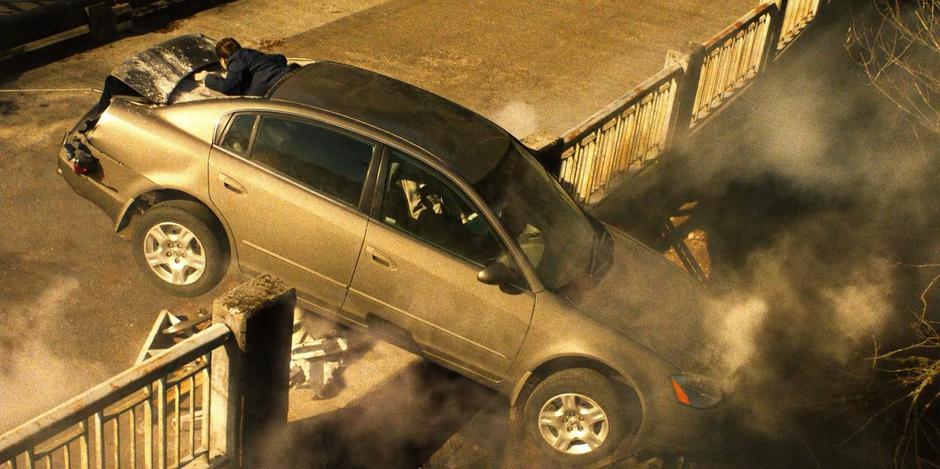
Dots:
{"x": 318, "y": 358}
{"x": 318, "y": 349}
{"x": 170, "y": 329}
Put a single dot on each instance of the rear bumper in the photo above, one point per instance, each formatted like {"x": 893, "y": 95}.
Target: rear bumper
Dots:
{"x": 108, "y": 199}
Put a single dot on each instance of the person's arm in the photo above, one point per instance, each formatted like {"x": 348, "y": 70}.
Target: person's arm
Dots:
{"x": 233, "y": 83}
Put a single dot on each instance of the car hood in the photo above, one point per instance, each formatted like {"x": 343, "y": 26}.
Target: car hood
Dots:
{"x": 156, "y": 72}
{"x": 651, "y": 301}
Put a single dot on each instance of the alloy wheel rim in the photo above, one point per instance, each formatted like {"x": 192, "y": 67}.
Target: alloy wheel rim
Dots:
{"x": 174, "y": 253}
{"x": 573, "y": 423}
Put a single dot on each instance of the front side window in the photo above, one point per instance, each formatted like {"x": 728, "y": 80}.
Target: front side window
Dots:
{"x": 420, "y": 202}
{"x": 325, "y": 160}
{"x": 552, "y": 232}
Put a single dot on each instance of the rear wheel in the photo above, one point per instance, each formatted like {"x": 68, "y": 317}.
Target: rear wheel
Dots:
{"x": 576, "y": 416}
{"x": 181, "y": 247}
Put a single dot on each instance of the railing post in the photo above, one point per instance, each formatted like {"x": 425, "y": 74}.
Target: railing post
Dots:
{"x": 250, "y": 376}
{"x": 223, "y": 400}
{"x": 691, "y": 63}
{"x": 778, "y": 17}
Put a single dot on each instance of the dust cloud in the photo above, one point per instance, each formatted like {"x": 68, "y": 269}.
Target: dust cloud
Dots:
{"x": 397, "y": 424}
{"x": 816, "y": 193}
{"x": 40, "y": 377}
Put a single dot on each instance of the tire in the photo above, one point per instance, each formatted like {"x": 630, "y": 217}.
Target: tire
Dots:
{"x": 581, "y": 390}
{"x": 189, "y": 270}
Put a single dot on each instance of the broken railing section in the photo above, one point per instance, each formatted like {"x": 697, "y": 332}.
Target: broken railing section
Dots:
{"x": 630, "y": 133}
{"x": 187, "y": 405}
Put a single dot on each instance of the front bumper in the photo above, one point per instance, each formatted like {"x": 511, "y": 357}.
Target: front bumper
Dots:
{"x": 672, "y": 427}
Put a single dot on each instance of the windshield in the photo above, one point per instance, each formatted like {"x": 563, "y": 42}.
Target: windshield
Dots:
{"x": 551, "y": 230}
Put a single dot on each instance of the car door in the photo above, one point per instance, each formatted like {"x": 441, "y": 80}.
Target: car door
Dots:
{"x": 289, "y": 190}
{"x": 418, "y": 270}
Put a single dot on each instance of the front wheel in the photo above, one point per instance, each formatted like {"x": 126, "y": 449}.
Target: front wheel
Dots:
{"x": 181, "y": 247}
{"x": 575, "y": 416}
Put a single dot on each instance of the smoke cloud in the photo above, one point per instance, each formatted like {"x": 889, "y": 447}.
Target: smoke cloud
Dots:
{"x": 815, "y": 192}
{"x": 33, "y": 378}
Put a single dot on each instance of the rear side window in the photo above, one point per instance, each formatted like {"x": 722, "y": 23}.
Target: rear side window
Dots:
{"x": 324, "y": 160}
{"x": 239, "y": 135}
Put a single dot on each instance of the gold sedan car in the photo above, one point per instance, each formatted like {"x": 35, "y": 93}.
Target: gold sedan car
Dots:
{"x": 393, "y": 209}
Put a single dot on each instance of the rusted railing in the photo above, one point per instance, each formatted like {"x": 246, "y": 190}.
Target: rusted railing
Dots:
{"x": 631, "y": 132}
{"x": 797, "y": 15}
{"x": 155, "y": 414}
{"x": 620, "y": 138}
{"x": 732, "y": 59}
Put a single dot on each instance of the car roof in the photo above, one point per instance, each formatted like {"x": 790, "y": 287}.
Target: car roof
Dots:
{"x": 460, "y": 138}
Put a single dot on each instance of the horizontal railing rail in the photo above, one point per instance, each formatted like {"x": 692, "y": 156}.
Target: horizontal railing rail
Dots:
{"x": 620, "y": 138}
{"x": 156, "y": 409}
{"x": 629, "y": 133}
{"x": 732, "y": 59}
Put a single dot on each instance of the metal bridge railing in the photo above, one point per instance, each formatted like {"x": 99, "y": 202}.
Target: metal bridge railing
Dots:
{"x": 624, "y": 137}
{"x": 732, "y": 59}
{"x": 620, "y": 138}
{"x": 154, "y": 414}
{"x": 204, "y": 402}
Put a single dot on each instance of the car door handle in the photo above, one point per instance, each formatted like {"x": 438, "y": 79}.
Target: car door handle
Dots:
{"x": 379, "y": 258}
{"x": 231, "y": 184}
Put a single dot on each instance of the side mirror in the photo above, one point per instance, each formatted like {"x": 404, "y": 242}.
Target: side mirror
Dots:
{"x": 496, "y": 273}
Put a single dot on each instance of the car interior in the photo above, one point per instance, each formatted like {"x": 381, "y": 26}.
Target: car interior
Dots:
{"x": 420, "y": 203}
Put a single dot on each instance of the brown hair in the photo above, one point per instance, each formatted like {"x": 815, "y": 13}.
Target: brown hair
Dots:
{"x": 226, "y": 47}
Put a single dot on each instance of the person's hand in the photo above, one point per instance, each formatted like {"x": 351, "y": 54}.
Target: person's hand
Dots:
{"x": 201, "y": 76}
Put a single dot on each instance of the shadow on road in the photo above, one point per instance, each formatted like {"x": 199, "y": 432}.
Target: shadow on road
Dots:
{"x": 399, "y": 424}
{"x": 156, "y": 21}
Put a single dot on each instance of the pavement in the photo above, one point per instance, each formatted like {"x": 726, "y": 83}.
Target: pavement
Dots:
{"x": 535, "y": 68}
{"x": 74, "y": 307}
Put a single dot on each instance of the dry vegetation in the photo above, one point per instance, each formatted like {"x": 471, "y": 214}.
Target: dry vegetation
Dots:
{"x": 915, "y": 387}
{"x": 898, "y": 45}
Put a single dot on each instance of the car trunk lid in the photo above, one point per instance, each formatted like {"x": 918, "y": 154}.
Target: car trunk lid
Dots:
{"x": 156, "y": 72}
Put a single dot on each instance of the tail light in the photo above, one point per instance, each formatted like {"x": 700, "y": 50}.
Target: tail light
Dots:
{"x": 81, "y": 160}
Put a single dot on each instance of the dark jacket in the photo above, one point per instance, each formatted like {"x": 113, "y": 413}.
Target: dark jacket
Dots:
{"x": 250, "y": 73}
